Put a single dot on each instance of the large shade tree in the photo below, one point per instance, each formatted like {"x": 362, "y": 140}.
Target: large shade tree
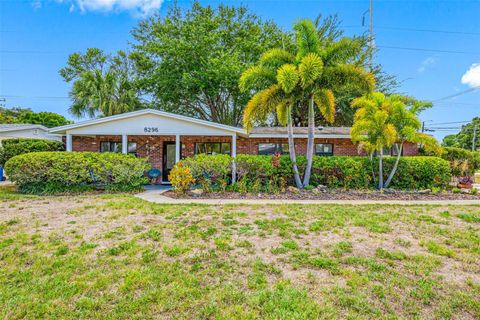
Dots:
{"x": 190, "y": 60}
{"x": 26, "y": 115}
{"x": 102, "y": 85}
{"x": 467, "y": 138}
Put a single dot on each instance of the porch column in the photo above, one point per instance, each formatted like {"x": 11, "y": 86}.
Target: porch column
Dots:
{"x": 234, "y": 154}
{"x": 69, "y": 143}
{"x": 177, "y": 148}
{"x": 124, "y": 144}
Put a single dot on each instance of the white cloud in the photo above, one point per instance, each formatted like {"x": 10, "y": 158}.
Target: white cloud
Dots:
{"x": 430, "y": 61}
{"x": 472, "y": 76}
{"x": 143, "y": 7}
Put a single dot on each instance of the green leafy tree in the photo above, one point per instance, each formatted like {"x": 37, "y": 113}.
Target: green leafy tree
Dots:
{"x": 464, "y": 139}
{"x": 383, "y": 122}
{"x": 190, "y": 60}
{"x": 26, "y": 115}
{"x": 102, "y": 85}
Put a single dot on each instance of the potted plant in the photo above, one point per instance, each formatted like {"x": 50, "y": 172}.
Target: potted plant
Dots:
{"x": 465, "y": 182}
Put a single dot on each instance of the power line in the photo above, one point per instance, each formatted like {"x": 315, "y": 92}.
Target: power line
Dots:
{"x": 457, "y": 94}
{"x": 428, "y": 50}
{"x": 417, "y": 30}
{"x": 454, "y": 122}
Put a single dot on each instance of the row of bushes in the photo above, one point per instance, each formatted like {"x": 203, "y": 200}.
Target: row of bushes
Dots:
{"x": 271, "y": 173}
{"x": 67, "y": 172}
{"x": 14, "y": 147}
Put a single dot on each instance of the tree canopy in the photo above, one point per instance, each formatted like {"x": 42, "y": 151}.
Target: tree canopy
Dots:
{"x": 103, "y": 85}
{"x": 190, "y": 60}
{"x": 26, "y": 115}
{"x": 464, "y": 139}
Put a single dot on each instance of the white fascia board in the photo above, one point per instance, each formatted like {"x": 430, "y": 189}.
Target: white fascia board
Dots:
{"x": 64, "y": 129}
{"x": 35, "y": 126}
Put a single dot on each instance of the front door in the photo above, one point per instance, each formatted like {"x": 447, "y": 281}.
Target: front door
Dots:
{"x": 168, "y": 159}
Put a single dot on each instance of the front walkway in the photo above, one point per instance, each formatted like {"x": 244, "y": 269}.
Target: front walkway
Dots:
{"x": 157, "y": 197}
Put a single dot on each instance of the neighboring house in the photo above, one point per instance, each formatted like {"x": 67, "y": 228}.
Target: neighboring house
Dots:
{"x": 164, "y": 138}
{"x": 34, "y": 131}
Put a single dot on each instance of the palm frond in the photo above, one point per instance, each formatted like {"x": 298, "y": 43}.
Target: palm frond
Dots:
{"x": 281, "y": 110}
{"x": 275, "y": 58}
{"x": 287, "y": 77}
{"x": 310, "y": 69}
{"x": 346, "y": 74}
{"x": 325, "y": 100}
{"x": 256, "y": 77}
{"x": 306, "y": 37}
{"x": 344, "y": 50}
{"x": 261, "y": 105}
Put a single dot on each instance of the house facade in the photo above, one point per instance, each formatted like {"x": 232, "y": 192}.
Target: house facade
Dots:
{"x": 165, "y": 138}
{"x": 30, "y": 131}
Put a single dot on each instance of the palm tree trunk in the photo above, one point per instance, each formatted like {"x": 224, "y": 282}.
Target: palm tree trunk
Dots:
{"x": 311, "y": 141}
{"x": 380, "y": 169}
{"x": 291, "y": 149}
{"x": 371, "y": 167}
{"x": 395, "y": 166}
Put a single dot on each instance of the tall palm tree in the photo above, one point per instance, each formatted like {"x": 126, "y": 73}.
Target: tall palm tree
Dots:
{"x": 274, "y": 80}
{"x": 322, "y": 69}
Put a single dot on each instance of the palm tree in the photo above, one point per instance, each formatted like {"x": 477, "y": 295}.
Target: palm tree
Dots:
{"x": 383, "y": 122}
{"x": 308, "y": 77}
{"x": 274, "y": 79}
{"x": 106, "y": 94}
{"x": 321, "y": 70}
{"x": 371, "y": 127}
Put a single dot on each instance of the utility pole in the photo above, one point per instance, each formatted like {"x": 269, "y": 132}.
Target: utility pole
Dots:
{"x": 370, "y": 37}
{"x": 474, "y": 140}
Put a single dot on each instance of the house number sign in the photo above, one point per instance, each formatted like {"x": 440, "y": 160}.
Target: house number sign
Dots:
{"x": 150, "y": 129}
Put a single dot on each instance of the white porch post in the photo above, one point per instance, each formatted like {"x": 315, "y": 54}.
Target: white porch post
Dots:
{"x": 234, "y": 154}
{"x": 124, "y": 143}
{"x": 69, "y": 142}
{"x": 177, "y": 148}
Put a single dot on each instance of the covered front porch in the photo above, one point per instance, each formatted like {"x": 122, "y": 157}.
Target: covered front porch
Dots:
{"x": 162, "y": 151}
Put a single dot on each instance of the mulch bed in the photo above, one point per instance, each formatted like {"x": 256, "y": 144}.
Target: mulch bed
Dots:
{"x": 337, "y": 194}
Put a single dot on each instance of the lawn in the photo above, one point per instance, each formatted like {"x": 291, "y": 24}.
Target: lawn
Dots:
{"x": 119, "y": 257}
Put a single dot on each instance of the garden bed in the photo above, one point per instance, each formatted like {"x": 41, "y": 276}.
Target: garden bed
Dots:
{"x": 337, "y": 194}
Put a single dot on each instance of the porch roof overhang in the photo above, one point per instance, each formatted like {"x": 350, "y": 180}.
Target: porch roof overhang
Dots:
{"x": 148, "y": 122}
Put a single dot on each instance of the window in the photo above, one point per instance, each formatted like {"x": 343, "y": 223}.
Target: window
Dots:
{"x": 212, "y": 148}
{"x": 391, "y": 151}
{"x": 324, "y": 149}
{"x": 109, "y": 146}
{"x": 272, "y": 148}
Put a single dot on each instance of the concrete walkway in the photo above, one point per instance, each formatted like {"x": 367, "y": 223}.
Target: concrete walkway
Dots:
{"x": 157, "y": 197}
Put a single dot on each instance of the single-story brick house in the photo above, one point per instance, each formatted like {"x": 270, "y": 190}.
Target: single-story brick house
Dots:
{"x": 164, "y": 138}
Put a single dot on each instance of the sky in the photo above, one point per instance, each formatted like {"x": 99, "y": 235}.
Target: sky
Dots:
{"x": 432, "y": 47}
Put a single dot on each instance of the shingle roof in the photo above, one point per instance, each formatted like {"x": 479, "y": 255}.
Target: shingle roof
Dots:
{"x": 301, "y": 130}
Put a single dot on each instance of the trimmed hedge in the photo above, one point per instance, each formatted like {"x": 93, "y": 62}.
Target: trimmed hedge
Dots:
{"x": 14, "y": 147}
{"x": 338, "y": 172}
{"x": 66, "y": 172}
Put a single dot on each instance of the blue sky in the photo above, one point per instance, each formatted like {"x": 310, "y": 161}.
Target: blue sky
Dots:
{"x": 36, "y": 37}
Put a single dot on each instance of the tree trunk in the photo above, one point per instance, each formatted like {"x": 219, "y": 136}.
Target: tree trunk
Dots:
{"x": 291, "y": 149}
{"x": 311, "y": 141}
{"x": 380, "y": 169}
{"x": 395, "y": 166}
{"x": 371, "y": 167}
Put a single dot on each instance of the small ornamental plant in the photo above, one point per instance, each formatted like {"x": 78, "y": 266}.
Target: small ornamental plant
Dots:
{"x": 181, "y": 178}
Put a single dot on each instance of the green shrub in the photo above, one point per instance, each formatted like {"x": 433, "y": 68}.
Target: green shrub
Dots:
{"x": 462, "y": 161}
{"x": 210, "y": 169}
{"x": 14, "y": 147}
{"x": 181, "y": 178}
{"x": 260, "y": 173}
{"x": 66, "y": 172}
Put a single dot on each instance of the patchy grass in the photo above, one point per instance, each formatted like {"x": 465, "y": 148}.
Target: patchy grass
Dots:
{"x": 92, "y": 256}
